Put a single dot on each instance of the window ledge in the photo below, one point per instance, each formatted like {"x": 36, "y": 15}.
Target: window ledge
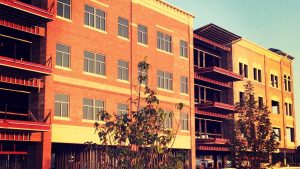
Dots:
{"x": 165, "y": 90}
{"x": 123, "y": 38}
{"x": 184, "y": 131}
{"x": 184, "y": 94}
{"x": 62, "y": 118}
{"x": 64, "y": 19}
{"x": 123, "y": 81}
{"x": 164, "y": 52}
{"x": 141, "y": 44}
{"x": 184, "y": 58}
{"x": 63, "y": 68}
{"x": 274, "y": 87}
{"x": 95, "y": 29}
{"x": 95, "y": 75}
{"x": 92, "y": 121}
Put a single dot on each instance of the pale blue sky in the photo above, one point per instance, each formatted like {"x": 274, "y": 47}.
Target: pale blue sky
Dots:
{"x": 269, "y": 23}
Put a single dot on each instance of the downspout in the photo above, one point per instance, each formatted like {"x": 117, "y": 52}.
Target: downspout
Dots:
{"x": 131, "y": 48}
{"x": 283, "y": 113}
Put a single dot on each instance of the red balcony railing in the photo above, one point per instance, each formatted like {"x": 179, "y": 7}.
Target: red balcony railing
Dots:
{"x": 218, "y": 73}
{"x": 210, "y": 138}
{"x": 215, "y": 106}
{"x": 22, "y": 8}
{"x": 36, "y": 30}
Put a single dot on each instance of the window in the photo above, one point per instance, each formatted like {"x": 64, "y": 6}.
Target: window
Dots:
{"x": 142, "y": 34}
{"x": 260, "y": 102}
{"x": 290, "y": 134}
{"x": 274, "y": 81}
{"x": 287, "y": 83}
{"x": 168, "y": 121}
{"x": 94, "y": 63}
{"x": 94, "y": 17}
{"x": 61, "y": 105}
{"x": 183, "y": 49}
{"x": 123, "y": 27}
{"x": 64, "y": 8}
{"x": 277, "y": 133}
{"x": 122, "y": 70}
{"x": 143, "y": 77}
{"x": 122, "y": 109}
{"x": 164, "y": 80}
{"x": 242, "y": 98}
{"x": 243, "y": 69}
{"x": 288, "y": 109}
{"x": 257, "y": 74}
{"x": 62, "y": 55}
{"x": 91, "y": 108}
{"x": 275, "y": 107}
{"x": 164, "y": 42}
{"x": 184, "y": 118}
{"x": 184, "y": 84}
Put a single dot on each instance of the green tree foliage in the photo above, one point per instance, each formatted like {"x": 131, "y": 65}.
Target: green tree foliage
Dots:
{"x": 252, "y": 140}
{"x": 138, "y": 139}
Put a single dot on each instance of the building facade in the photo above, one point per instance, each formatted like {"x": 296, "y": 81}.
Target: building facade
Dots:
{"x": 214, "y": 102}
{"x": 271, "y": 73}
{"x": 64, "y": 60}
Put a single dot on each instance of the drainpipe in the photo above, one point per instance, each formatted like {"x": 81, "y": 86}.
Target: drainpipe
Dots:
{"x": 283, "y": 113}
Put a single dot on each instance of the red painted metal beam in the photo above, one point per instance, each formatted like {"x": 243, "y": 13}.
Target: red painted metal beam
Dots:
{"x": 23, "y": 65}
{"x": 36, "y": 83}
{"x": 211, "y": 114}
{"x": 24, "y": 125}
{"x": 213, "y": 81}
{"x": 216, "y": 105}
{"x": 224, "y": 74}
{"x": 212, "y": 148}
{"x": 28, "y": 8}
{"x": 221, "y": 141}
{"x": 211, "y": 42}
{"x": 13, "y": 152}
{"x": 36, "y": 30}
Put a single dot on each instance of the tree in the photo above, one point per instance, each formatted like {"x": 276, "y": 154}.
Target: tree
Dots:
{"x": 252, "y": 139}
{"x": 139, "y": 139}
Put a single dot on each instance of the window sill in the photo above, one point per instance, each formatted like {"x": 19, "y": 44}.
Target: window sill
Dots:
{"x": 257, "y": 82}
{"x": 94, "y": 75}
{"x": 92, "y": 121}
{"x": 95, "y": 29}
{"x": 162, "y": 51}
{"x": 184, "y": 94}
{"x": 64, "y": 19}
{"x": 274, "y": 87}
{"x": 165, "y": 90}
{"x": 123, "y": 38}
{"x": 184, "y": 58}
{"x": 62, "y": 68}
{"x": 61, "y": 118}
{"x": 184, "y": 131}
{"x": 123, "y": 81}
{"x": 141, "y": 44}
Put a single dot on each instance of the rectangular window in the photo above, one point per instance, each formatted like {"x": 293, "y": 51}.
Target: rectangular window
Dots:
{"x": 94, "y": 63}
{"x": 62, "y": 55}
{"x": 257, "y": 74}
{"x": 184, "y": 85}
{"x": 242, "y": 98}
{"x": 64, "y": 8}
{"x": 184, "y": 119}
{"x": 123, "y": 70}
{"x": 143, "y": 77}
{"x": 243, "y": 70}
{"x": 61, "y": 105}
{"x": 290, "y": 134}
{"x": 164, "y": 42}
{"x": 123, "y": 27}
{"x": 142, "y": 34}
{"x": 277, "y": 133}
{"x": 92, "y": 108}
{"x": 168, "y": 124}
{"x": 275, "y": 107}
{"x": 287, "y": 83}
{"x": 95, "y": 18}
{"x": 122, "y": 109}
{"x": 183, "y": 49}
{"x": 260, "y": 102}
{"x": 164, "y": 80}
{"x": 274, "y": 81}
{"x": 288, "y": 109}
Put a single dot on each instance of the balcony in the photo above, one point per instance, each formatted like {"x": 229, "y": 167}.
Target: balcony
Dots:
{"x": 218, "y": 73}
{"x": 209, "y": 138}
{"x": 215, "y": 106}
{"x": 26, "y": 11}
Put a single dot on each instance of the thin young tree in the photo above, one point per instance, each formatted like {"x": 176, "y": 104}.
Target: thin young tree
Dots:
{"x": 252, "y": 139}
{"x": 139, "y": 139}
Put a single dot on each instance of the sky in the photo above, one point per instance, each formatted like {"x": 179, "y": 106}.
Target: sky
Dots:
{"x": 269, "y": 23}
